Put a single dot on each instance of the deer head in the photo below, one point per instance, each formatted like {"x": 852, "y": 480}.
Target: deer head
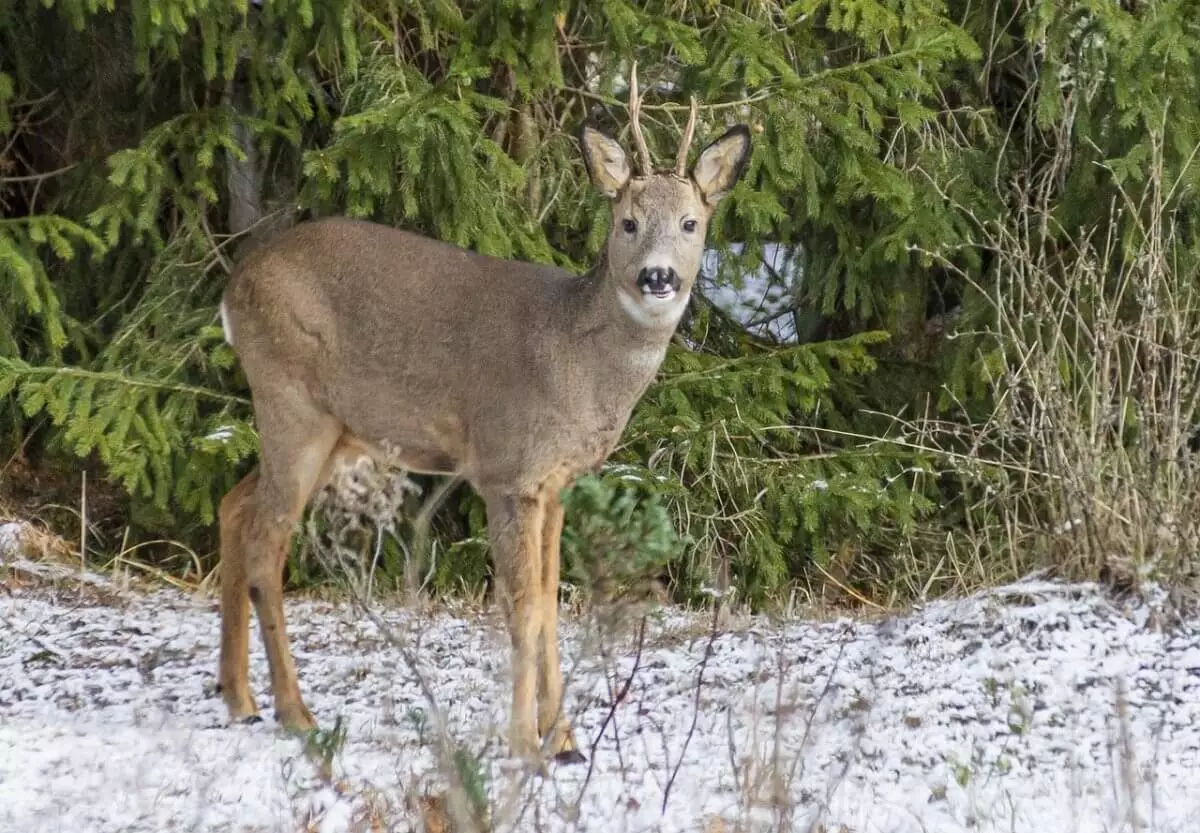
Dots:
{"x": 660, "y": 217}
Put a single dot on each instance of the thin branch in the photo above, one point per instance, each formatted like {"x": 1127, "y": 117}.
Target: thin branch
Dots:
{"x": 9, "y": 180}
{"x": 761, "y": 95}
{"x": 122, "y": 379}
{"x": 617, "y": 701}
{"x": 708, "y": 652}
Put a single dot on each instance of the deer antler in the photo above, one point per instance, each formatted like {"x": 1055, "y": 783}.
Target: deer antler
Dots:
{"x": 635, "y": 113}
{"x": 681, "y": 159}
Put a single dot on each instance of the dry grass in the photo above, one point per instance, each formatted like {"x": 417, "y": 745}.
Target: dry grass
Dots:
{"x": 361, "y": 510}
{"x": 1087, "y": 466}
{"x": 33, "y": 542}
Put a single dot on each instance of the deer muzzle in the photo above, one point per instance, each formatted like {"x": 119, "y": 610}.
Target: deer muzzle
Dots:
{"x": 658, "y": 281}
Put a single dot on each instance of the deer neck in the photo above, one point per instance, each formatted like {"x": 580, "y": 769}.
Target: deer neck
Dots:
{"x": 632, "y": 340}
{"x": 605, "y": 308}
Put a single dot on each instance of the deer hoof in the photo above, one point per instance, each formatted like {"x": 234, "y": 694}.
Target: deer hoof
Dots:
{"x": 570, "y": 756}
{"x": 296, "y": 719}
{"x": 239, "y": 703}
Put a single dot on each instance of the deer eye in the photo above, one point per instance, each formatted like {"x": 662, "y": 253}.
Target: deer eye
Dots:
{"x": 630, "y": 226}
{"x": 689, "y": 226}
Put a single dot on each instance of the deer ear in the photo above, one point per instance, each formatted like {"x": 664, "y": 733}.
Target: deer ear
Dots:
{"x": 721, "y": 164}
{"x": 607, "y": 164}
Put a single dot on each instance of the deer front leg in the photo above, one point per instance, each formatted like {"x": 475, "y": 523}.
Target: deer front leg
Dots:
{"x": 515, "y": 530}
{"x": 551, "y": 719}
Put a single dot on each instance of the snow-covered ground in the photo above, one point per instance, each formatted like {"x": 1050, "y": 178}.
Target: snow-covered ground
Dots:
{"x": 1003, "y": 712}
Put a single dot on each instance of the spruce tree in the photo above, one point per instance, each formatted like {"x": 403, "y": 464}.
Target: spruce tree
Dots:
{"x": 145, "y": 146}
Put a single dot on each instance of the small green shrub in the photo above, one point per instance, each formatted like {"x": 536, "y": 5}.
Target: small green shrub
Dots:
{"x": 618, "y": 533}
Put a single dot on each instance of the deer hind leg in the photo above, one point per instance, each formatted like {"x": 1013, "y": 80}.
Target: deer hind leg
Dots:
{"x": 515, "y": 530}
{"x": 551, "y": 719}
{"x": 296, "y": 446}
{"x": 234, "y": 668}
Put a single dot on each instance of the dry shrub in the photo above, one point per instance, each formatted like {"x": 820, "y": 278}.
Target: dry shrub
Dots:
{"x": 1088, "y": 463}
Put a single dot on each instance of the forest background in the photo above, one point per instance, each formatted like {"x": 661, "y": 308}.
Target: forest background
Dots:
{"x": 976, "y": 221}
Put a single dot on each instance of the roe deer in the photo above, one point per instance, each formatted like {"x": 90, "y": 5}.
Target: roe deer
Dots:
{"x": 359, "y": 339}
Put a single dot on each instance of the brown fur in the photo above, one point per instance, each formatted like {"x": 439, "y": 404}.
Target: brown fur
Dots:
{"x": 362, "y": 339}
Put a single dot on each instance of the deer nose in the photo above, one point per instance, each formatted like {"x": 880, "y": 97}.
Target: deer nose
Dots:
{"x": 658, "y": 279}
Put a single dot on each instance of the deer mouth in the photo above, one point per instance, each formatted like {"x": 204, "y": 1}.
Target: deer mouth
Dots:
{"x": 658, "y": 282}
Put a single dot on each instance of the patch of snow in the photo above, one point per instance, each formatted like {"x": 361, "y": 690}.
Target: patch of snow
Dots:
{"x": 763, "y": 302}
{"x": 10, "y": 540}
{"x": 220, "y": 435}
{"x": 631, "y": 474}
{"x": 14, "y": 556}
{"x": 1016, "y": 710}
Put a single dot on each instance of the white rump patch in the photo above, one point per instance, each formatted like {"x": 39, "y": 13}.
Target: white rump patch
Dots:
{"x": 225, "y": 323}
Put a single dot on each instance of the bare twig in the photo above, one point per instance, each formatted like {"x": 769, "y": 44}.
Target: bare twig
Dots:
{"x": 616, "y": 702}
{"x": 378, "y": 496}
{"x": 83, "y": 525}
{"x": 38, "y": 177}
{"x": 708, "y": 652}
